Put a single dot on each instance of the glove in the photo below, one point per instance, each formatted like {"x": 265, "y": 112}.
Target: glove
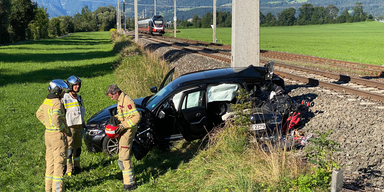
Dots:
{"x": 120, "y": 129}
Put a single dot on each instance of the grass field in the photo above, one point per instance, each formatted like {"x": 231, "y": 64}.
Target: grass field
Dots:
{"x": 26, "y": 71}
{"x": 357, "y": 42}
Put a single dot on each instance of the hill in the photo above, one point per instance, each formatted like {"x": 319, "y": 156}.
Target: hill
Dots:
{"x": 187, "y": 8}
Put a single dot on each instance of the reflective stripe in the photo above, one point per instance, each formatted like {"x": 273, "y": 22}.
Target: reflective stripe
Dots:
{"x": 130, "y": 122}
{"x": 76, "y": 159}
{"x": 57, "y": 178}
{"x": 48, "y": 102}
{"x": 125, "y": 114}
{"x": 69, "y": 160}
{"x": 40, "y": 109}
{"x": 73, "y": 104}
{"x": 48, "y": 177}
{"x": 126, "y": 172}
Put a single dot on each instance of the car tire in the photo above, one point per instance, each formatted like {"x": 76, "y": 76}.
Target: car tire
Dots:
{"x": 110, "y": 146}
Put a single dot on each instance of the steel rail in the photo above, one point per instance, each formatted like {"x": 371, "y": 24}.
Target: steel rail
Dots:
{"x": 315, "y": 82}
{"x": 339, "y": 77}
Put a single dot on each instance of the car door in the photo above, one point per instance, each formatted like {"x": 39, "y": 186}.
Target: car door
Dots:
{"x": 168, "y": 78}
{"x": 192, "y": 116}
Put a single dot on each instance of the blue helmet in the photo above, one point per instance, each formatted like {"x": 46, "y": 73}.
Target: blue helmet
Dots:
{"x": 73, "y": 80}
{"x": 57, "y": 87}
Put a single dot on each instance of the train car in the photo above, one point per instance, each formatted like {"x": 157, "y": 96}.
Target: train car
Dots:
{"x": 154, "y": 25}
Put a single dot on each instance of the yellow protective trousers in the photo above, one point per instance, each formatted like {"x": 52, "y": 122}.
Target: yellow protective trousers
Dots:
{"x": 74, "y": 139}
{"x": 125, "y": 144}
{"x": 56, "y": 152}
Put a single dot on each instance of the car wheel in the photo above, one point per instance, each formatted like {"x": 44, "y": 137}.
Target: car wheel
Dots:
{"x": 110, "y": 146}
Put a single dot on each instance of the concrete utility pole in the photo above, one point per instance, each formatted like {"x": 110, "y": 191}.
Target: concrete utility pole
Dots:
{"x": 214, "y": 21}
{"x": 245, "y": 33}
{"x": 136, "y": 23}
{"x": 118, "y": 17}
{"x": 174, "y": 19}
{"x": 154, "y": 12}
{"x": 125, "y": 23}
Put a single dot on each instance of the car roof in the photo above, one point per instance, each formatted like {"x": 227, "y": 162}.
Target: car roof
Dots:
{"x": 218, "y": 75}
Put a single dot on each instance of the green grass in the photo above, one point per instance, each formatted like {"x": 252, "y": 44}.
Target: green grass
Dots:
{"x": 356, "y": 42}
{"x": 26, "y": 71}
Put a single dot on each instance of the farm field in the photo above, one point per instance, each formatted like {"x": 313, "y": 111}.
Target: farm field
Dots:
{"x": 356, "y": 42}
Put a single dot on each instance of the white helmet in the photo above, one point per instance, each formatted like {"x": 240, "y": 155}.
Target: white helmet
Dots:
{"x": 73, "y": 80}
{"x": 57, "y": 87}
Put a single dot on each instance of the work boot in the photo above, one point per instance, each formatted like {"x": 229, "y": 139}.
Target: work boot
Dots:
{"x": 130, "y": 187}
{"x": 77, "y": 170}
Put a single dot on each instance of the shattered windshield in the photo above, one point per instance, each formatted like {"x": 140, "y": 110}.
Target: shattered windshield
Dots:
{"x": 152, "y": 102}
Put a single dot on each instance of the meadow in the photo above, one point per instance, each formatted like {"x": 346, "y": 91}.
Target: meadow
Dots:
{"x": 356, "y": 42}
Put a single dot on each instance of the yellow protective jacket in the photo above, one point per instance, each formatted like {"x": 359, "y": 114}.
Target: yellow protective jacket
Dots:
{"x": 51, "y": 113}
{"x": 126, "y": 111}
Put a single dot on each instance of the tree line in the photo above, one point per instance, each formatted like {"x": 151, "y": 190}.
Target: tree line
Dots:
{"x": 24, "y": 20}
{"x": 307, "y": 15}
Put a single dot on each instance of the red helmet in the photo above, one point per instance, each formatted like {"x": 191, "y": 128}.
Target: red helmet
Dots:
{"x": 112, "y": 131}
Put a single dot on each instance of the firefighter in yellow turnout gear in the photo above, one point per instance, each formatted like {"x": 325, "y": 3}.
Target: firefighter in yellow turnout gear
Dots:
{"x": 129, "y": 117}
{"x": 51, "y": 114}
{"x": 75, "y": 111}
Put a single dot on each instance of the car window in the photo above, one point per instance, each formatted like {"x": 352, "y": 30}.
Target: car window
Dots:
{"x": 222, "y": 92}
{"x": 194, "y": 99}
{"x": 155, "y": 99}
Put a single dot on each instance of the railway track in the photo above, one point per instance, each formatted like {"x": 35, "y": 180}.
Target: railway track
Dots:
{"x": 344, "y": 83}
{"x": 374, "y": 70}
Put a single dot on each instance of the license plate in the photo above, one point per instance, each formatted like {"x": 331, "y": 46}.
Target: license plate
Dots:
{"x": 255, "y": 127}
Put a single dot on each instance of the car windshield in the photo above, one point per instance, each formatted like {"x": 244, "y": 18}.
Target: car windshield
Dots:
{"x": 154, "y": 100}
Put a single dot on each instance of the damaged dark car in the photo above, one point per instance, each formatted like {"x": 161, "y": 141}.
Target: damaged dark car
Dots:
{"x": 189, "y": 107}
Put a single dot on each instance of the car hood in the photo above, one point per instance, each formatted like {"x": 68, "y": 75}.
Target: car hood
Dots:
{"x": 104, "y": 114}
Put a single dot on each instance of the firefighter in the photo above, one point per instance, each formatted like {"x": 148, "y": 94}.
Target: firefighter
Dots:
{"x": 128, "y": 117}
{"x": 51, "y": 114}
{"x": 74, "y": 106}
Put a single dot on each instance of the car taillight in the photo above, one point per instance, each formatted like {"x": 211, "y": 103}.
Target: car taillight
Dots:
{"x": 154, "y": 30}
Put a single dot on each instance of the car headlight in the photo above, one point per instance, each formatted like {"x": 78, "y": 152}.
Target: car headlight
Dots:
{"x": 93, "y": 132}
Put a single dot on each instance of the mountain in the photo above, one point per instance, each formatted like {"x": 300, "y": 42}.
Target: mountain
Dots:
{"x": 187, "y": 8}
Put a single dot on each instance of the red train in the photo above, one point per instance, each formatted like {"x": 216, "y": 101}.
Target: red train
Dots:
{"x": 154, "y": 25}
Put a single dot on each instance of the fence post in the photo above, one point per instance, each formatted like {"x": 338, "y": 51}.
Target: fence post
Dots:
{"x": 337, "y": 180}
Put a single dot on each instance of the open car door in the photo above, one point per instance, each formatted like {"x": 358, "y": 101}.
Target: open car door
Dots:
{"x": 192, "y": 115}
{"x": 168, "y": 78}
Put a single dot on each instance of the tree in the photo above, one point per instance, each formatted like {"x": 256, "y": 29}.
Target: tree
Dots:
{"x": 287, "y": 17}
{"x": 106, "y": 17}
{"x": 207, "y": 20}
{"x": 54, "y": 27}
{"x": 5, "y": 9}
{"x": 270, "y": 20}
{"x": 39, "y": 26}
{"x": 305, "y": 14}
{"x": 22, "y": 13}
{"x": 317, "y": 15}
{"x": 262, "y": 18}
{"x": 228, "y": 20}
{"x": 331, "y": 13}
{"x": 358, "y": 13}
{"x": 344, "y": 17}
{"x": 66, "y": 24}
{"x": 196, "y": 21}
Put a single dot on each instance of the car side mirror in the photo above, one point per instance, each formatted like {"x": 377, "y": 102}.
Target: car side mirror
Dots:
{"x": 153, "y": 89}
